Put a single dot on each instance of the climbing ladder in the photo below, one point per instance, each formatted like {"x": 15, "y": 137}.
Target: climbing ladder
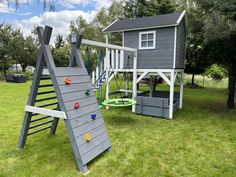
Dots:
{"x": 100, "y": 79}
{"x": 71, "y": 98}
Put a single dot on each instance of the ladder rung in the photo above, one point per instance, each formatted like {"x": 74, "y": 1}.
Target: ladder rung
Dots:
{"x": 39, "y": 130}
{"x": 41, "y": 118}
{"x": 44, "y": 99}
{"x": 45, "y": 78}
{"x": 45, "y": 92}
{"x": 38, "y": 125}
{"x": 46, "y": 85}
{"x": 45, "y": 105}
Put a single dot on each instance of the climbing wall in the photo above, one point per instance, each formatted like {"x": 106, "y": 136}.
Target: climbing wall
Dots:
{"x": 67, "y": 94}
{"x": 83, "y": 113}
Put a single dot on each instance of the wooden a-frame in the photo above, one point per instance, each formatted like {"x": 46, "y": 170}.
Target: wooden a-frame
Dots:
{"x": 87, "y": 119}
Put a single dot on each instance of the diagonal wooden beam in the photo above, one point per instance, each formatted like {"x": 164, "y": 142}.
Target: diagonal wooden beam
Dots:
{"x": 164, "y": 77}
{"x": 141, "y": 77}
{"x": 79, "y": 38}
{"x": 47, "y": 35}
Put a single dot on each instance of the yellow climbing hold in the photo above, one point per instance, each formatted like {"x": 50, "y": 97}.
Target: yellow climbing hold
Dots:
{"x": 88, "y": 137}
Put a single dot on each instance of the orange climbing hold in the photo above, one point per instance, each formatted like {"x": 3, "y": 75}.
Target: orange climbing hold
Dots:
{"x": 88, "y": 137}
{"x": 67, "y": 81}
{"x": 76, "y": 105}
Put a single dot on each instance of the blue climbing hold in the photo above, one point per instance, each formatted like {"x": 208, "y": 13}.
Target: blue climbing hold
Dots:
{"x": 93, "y": 116}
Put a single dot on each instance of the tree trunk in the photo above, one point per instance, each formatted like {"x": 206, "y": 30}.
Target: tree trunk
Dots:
{"x": 24, "y": 66}
{"x": 193, "y": 79}
{"x": 231, "y": 88}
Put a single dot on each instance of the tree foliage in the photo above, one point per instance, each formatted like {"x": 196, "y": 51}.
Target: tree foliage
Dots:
{"x": 143, "y": 8}
{"x": 15, "y": 48}
{"x": 220, "y": 38}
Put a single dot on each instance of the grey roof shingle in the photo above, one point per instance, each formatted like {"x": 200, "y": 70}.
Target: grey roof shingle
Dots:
{"x": 144, "y": 22}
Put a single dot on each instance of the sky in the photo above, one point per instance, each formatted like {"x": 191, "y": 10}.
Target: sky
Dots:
{"x": 31, "y": 14}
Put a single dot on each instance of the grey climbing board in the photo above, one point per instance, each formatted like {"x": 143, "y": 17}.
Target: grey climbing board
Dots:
{"x": 80, "y": 119}
{"x": 76, "y": 98}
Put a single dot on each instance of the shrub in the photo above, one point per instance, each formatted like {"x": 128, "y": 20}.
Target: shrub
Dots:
{"x": 216, "y": 72}
{"x": 2, "y": 77}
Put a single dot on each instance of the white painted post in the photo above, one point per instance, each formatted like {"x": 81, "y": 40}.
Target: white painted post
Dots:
{"x": 134, "y": 79}
{"x": 93, "y": 77}
{"x": 112, "y": 59}
{"x": 117, "y": 59}
{"x": 97, "y": 73}
{"x": 121, "y": 59}
{"x": 181, "y": 90}
{"x": 107, "y": 70}
{"x": 171, "y": 98}
{"x": 126, "y": 83}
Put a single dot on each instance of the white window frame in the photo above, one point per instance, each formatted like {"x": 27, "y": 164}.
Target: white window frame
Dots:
{"x": 154, "y": 39}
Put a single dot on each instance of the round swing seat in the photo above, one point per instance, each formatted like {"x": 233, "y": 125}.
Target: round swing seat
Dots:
{"x": 119, "y": 102}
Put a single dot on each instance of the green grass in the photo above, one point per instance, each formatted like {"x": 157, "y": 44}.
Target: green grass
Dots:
{"x": 200, "y": 141}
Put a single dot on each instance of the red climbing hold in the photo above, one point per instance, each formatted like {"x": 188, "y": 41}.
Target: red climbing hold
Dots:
{"x": 68, "y": 80}
{"x": 76, "y": 105}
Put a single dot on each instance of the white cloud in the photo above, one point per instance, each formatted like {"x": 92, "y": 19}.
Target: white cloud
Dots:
{"x": 60, "y": 21}
{"x": 4, "y": 8}
{"x": 97, "y": 3}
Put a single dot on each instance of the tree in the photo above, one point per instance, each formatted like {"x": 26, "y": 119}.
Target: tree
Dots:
{"x": 196, "y": 62}
{"x": 61, "y": 52}
{"x": 23, "y": 50}
{"x": 5, "y": 38}
{"x": 220, "y": 38}
{"x": 143, "y": 8}
{"x": 31, "y": 49}
{"x": 93, "y": 30}
{"x": 59, "y": 41}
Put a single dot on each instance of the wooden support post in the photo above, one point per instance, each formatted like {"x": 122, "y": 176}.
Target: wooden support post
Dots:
{"x": 113, "y": 59}
{"x": 134, "y": 79}
{"x": 107, "y": 70}
{"x": 97, "y": 73}
{"x": 117, "y": 59}
{"x": 181, "y": 90}
{"x": 121, "y": 59}
{"x": 126, "y": 83}
{"x": 93, "y": 78}
{"x": 171, "y": 97}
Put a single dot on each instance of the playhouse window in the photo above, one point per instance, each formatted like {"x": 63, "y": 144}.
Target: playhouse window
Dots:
{"x": 147, "y": 40}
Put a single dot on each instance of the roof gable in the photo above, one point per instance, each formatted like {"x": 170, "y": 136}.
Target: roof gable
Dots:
{"x": 146, "y": 22}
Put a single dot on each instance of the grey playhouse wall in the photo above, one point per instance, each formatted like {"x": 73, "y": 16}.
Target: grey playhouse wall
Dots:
{"x": 180, "y": 45}
{"x": 157, "y": 105}
{"x": 159, "y": 58}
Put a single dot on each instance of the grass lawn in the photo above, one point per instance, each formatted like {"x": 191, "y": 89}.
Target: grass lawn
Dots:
{"x": 200, "y": 141}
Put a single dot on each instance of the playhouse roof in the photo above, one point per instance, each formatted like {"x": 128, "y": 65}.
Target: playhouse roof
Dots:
{"x": 145, "y": 22}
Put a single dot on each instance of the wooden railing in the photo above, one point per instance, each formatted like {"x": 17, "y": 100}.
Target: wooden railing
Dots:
{"x": 114, "y": 59}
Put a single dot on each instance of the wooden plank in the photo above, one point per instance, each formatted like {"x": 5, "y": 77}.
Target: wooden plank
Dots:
{"x": 49, "y": 112}
{"x": 70, "y": 71}
{"x": 105, "y": 45}
{"x": 95, "y": 132}
{"x": 78, "y": 121}
{"x": 152, "y": 111}
{"x": 87, "y": 127}
{"x": 95, "y": 141}
{"x": 96, "y": 151}
{"x": 74, "y": 79}
{"x": 82, "y": 111}
{"x": 75, "y": 87}
{"x": 151, "y": 101}
{"x": 76, "y": 95}
{"x": 82, "y": 102}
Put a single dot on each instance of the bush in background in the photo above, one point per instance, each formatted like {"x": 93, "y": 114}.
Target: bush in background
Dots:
{"x": 216, "y": 72}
